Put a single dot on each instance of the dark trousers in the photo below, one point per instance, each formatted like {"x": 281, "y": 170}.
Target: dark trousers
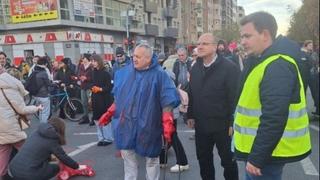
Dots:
{"x": 314, "y": 88}
{"x": 178, "y": 149}
{"x": 51, "y": 171}
{"x": 204, "y": 147}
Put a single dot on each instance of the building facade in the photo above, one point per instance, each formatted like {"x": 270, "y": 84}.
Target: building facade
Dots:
{"x": 69, "y": 28}
{"x": 240, "y": 13}
{"x": 207, "y": 16}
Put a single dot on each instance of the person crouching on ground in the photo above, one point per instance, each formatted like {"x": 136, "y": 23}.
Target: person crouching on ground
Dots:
{"x": 33, "y": 159}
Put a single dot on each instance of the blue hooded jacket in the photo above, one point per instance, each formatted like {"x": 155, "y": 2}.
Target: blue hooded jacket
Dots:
{"x": 140, "y": 96}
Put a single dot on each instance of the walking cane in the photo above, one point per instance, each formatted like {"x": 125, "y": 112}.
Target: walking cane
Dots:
{"x": 165, "y": 146}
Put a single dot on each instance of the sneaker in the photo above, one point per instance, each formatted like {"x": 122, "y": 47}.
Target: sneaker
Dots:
{"x": 92, "y": 123}
{"x": 175, "y": 168}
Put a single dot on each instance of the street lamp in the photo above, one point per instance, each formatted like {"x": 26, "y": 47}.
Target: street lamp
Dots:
{"x": 129, "y": 12}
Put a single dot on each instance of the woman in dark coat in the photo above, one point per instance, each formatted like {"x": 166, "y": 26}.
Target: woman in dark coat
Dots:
{"x": 101, "y": 98}
{"x": 32, "y": 160}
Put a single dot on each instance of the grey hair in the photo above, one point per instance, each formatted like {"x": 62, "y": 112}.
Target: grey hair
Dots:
{"x": 182, "y": 49}
{"x": 147, "y": 47}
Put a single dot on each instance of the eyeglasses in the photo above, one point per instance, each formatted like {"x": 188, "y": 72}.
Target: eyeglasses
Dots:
{"x": 119, "y": 56}
{"x": 204, "y": 43}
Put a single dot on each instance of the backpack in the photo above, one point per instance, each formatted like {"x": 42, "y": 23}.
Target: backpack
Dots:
{"x": 31, "y": 84}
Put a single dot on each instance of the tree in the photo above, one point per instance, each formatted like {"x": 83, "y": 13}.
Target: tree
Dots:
{"x": 229, "y": 33}
{"x": 304, "y": 23}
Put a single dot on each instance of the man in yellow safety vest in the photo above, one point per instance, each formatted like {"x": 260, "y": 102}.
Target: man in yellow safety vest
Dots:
{"x": 271, "y": 120}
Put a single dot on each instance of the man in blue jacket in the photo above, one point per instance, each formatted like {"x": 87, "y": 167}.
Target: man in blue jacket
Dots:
{"x": 142, "y": 111}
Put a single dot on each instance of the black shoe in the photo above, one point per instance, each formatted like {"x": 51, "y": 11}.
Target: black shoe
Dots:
{"x": 6, "y": 177}
{"x": 104, "y": 143}
{"x": 84, "y": 120}
{"x": 92, "y": 123}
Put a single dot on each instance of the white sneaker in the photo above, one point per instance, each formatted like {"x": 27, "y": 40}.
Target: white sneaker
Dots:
{"x": 175, "y": 168}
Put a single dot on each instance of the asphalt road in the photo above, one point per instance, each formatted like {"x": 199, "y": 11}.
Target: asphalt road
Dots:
{"x": 81, "y": 145}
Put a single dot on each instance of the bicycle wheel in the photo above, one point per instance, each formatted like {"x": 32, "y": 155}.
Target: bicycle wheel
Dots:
{"x": 74, "y": 109}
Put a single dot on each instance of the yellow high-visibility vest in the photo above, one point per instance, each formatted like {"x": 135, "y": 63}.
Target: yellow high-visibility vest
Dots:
{"x": 295, "y": 139}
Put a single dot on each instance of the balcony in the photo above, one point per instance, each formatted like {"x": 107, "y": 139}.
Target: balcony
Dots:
{"x": 151, "y": 7}
{"x": 171, "y": 32}
{"x": 151, "y": 30}
{"x": 169, "y": 12}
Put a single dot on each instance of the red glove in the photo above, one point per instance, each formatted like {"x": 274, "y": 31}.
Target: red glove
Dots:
{"x": 96, "y": 89}
{"x": 106, "y": 117}
{"x": 168, "y": 126}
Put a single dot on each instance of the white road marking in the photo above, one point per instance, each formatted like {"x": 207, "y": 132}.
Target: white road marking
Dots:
{"x": 88, "y": 133}
{"x": 82, "y": 148}
{"x": 314, "y": 127}
{"x": 308, "y": 167}
{"x": 186, "y": 131}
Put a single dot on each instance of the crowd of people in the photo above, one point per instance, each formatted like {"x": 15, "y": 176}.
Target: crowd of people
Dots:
{"x": 249, "y": 102}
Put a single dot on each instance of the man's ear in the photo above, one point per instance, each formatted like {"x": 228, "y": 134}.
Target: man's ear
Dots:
{"x": 266, "y": 35}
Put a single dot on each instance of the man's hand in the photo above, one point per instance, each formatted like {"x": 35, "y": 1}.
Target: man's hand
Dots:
{"x": 230, "y": 133}
{"x": 190, "y": 123}
{"x": 106, "y": 117}
{"x": 82, "y": 167}
{"x": 168, "y": 126}
{"x": 83, "y": 78}
{"x": 253, "y": 170}
{"x": 96, "y": 89}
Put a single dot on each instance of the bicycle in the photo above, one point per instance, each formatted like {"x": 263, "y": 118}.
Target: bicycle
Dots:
{"x": 73, "y": 107}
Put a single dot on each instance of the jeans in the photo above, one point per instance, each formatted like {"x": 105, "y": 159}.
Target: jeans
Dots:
{"x": 85, "y": 93}
{"x": 131, "y": 166}
{"x": 105, "y": 133}
{"x": 45, "y": 113}
{"x": 269, "y": 172}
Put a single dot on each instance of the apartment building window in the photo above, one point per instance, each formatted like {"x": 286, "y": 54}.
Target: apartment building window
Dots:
{"x": 98, "y": 2}
{"x": 5, "y": 16}
{"x": 113, "y": 13}
{"x": 98, "y": 13}
{"x": 169, "y": 22}
{"x": 64, "y": 10}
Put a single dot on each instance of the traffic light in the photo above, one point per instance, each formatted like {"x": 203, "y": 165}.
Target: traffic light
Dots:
{"x": 131, "y": 43}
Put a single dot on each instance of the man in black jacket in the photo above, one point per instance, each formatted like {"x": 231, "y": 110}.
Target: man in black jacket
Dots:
{"x": 213, "y": 82}
{"x": 42, "y": 83}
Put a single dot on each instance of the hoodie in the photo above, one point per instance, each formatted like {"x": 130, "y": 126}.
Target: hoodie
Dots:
{"x": 140, "y": 96}
{"x": 278, "y": 89}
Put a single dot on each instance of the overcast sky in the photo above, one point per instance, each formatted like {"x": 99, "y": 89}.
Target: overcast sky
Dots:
{"x": 281, "y": 9}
